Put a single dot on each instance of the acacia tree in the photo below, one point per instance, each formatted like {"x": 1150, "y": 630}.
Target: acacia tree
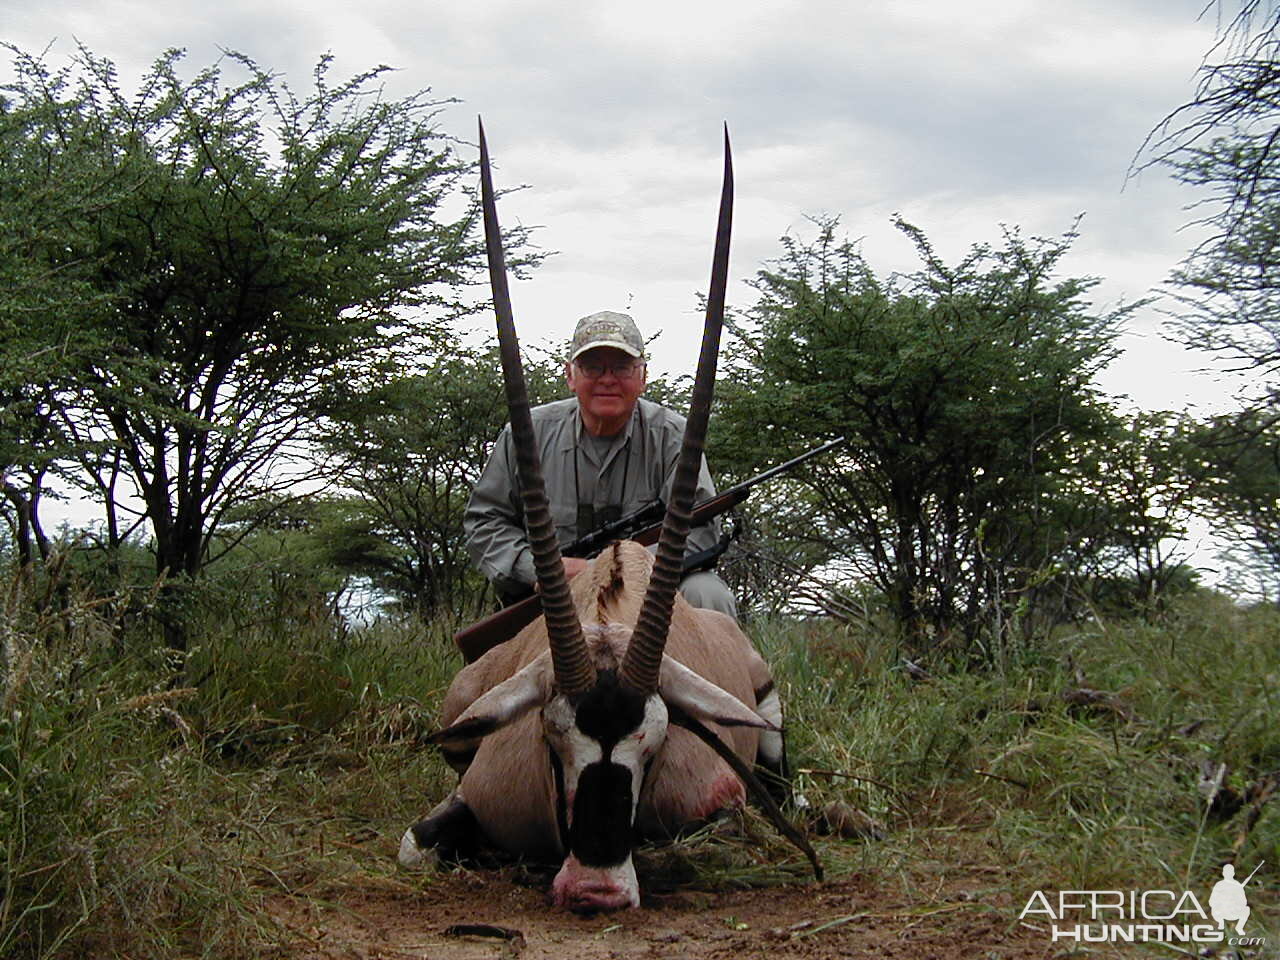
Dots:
{"x": 410, "y": 450}
{"x": 47, "y": 196}
{"x": 1226, "y": 142}
{"x": 267, "y": 244}
{"x": 963, "y": 391}
{"x": 1135, "y": 489}
{"x": 1238, "y": 459}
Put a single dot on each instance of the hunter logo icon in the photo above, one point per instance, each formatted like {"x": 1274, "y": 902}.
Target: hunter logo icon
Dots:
{"x": 1227, "y": 901}
{"x": 1146, "y": 916}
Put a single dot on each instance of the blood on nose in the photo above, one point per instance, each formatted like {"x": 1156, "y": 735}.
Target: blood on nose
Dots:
{"x": 588, "y": 889}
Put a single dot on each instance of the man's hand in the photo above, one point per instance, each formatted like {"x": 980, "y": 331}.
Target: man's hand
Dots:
{"x": 572, "y": 567}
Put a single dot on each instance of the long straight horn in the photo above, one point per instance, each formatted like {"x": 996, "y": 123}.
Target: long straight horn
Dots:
{"x": 573, "y": 670}
{"x": 644, "y": 654}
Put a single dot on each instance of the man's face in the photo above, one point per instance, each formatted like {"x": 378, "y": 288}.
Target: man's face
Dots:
{"x": 606, "y": 400}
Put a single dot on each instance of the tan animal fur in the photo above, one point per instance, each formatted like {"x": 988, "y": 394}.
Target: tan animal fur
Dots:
{"x": 509, "y": 784}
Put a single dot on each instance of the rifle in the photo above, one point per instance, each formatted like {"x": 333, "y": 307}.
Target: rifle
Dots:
{"x": 643, "y": 526}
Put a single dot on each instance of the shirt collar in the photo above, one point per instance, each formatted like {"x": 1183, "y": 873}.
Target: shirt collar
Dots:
{"x": 574, "y": 435}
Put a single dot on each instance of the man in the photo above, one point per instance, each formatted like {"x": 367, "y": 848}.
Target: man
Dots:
{"x": 605, "y": 452}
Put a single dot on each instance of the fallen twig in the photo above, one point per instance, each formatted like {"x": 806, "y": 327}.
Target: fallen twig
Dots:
{"x": 488, "y": 930}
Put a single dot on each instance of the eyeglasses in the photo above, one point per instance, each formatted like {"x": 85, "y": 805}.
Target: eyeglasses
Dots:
{"x": 623, "y": 369}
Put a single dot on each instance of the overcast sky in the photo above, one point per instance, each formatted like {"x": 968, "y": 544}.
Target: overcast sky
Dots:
{"x": 961, "y": 116}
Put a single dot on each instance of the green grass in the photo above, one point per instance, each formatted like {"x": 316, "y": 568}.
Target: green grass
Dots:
{"x": 1016, "y": 768}
{"x": 150, "y": 802}
{"x": 153, "y": 805}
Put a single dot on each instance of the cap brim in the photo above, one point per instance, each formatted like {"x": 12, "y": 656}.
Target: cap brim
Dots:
{"x": 616, "y": 344}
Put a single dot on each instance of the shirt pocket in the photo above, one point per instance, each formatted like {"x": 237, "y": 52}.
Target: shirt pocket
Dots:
{"x": 564, "y": 513}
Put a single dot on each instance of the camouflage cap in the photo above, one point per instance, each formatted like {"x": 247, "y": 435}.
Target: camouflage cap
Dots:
{"x": 606, "y": 329}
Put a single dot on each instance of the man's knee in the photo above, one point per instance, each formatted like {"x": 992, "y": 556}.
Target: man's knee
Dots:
{"x": 708, "y": 592}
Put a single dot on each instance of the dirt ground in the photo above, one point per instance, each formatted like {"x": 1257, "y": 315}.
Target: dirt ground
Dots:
{"x": 470, "y": 915}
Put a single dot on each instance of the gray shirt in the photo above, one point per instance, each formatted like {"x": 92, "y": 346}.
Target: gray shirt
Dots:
{"x": 630, "y": 472}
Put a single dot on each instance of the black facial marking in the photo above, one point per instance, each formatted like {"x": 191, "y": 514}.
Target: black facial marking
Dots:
{"x": 608, "y": 712}
{"x": 601, "y": 831}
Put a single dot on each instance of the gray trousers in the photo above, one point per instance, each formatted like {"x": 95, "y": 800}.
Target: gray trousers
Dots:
{"x": 706, "y": 590}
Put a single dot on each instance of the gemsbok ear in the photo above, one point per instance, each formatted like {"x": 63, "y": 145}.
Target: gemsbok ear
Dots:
{"x": 508, "y": 701}
{"x": 704, "y": 700}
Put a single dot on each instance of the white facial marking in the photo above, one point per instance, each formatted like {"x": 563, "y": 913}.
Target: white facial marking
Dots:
{"x": 577, "y": 750}
{"x": 634, "y": 751}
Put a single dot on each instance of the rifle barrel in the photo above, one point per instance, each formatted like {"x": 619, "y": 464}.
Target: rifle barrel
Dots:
{"x": 784, "y": 467}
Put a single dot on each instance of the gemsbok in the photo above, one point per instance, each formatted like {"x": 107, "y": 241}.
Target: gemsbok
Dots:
{"x": 623, "y": 711}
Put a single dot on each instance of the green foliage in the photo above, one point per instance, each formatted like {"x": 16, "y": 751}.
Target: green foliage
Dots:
{"x": 49, "y": 187}
{"x": 145, "y": 795}
{"x": 258, "y": 246}
{"x": 1238, "y": 458}
{"x": 1133, "y": 491}
{"x": 964, "y": 391}
{"x": 1222, "y": 142}
{"x": 1081, "y": 764}
{"x": 410, "y": 450}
